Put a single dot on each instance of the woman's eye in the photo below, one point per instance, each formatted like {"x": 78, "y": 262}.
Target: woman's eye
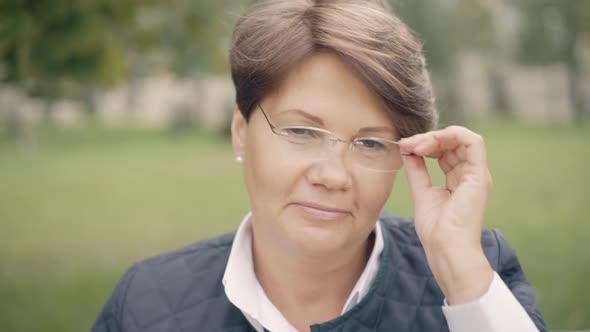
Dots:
{"x": 299, "y": 132}
{"x": 370, "y": 144}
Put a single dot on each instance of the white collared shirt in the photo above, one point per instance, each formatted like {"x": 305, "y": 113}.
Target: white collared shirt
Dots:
{"x": 496, "y": 311}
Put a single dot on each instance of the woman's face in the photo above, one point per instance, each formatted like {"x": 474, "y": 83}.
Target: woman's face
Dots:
{"x": 313, "y": 206}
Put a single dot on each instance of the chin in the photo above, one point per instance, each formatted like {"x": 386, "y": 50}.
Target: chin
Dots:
{"x": 314, "y": 241}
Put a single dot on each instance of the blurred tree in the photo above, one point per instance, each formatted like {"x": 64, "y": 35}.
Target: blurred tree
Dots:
{"x": 553, "y": 32}
{"x": 53, "y": 48}
{"x": 432, "y": 21}
{"x": 449, "y": 28}
{"x": 189, "y": 38}
{"x": 192, "y": 37}
{"x": 479, "y": 28}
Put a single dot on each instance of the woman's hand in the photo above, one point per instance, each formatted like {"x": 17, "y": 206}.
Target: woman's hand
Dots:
{"x": 449, "y": 219}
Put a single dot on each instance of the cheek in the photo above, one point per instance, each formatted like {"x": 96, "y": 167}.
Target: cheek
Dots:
{"x": 270, "y": 176}
{"x": 374, "y": 193}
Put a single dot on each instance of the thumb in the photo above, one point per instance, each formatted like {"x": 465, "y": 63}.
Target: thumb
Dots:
{"x": 417, "y": 174}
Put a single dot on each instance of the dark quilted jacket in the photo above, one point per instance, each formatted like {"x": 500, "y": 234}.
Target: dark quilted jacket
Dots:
{"x": 182, "y": 290}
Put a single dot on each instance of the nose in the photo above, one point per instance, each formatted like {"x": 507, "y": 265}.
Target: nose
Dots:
{"x": 331, "y": 172}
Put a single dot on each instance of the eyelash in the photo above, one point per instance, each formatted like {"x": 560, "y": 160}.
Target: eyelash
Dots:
{"x": 377, "y": 144}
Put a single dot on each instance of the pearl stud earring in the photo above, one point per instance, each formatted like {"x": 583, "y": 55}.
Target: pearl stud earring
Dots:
{"x": 239, "y": 159}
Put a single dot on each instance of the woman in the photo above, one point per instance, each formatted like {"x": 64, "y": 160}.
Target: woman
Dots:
{"x": 333, "y": 99}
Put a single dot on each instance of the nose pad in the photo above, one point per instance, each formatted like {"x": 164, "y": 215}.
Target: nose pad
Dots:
{"x": 331, "y": 151}
{"x": 333, "y": 141}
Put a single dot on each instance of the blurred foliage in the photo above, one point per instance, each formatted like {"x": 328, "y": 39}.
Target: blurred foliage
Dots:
{"x": 532, "y": 32}
{"x": 54, "y": 48}
{"x": 545, "y": 29}
{"x": 57, "y": 48}
{"x": 49, "y": 45}
{"x": 552, "y": 29}
{"x": 188, "y": 37}
{"x": 429, "y": 20}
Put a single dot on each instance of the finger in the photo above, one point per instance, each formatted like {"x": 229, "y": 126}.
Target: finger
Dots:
{"x": 425, "y": 145}
{"x": 408, "y": 144}
{"x": 435, "y": 144}
{"x": 430, "y": 148}
{"x": 418, "y": 177}
{"x": 461, "y": 153}
{"x": 453, "y": 177}
{"x": 445, "y": 166}
{"x": 469, "y": 145}
{"x": 448, "y": 161}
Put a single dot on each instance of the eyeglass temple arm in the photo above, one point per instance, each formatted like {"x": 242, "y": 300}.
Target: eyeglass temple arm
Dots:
{"x": 266, "y": 117}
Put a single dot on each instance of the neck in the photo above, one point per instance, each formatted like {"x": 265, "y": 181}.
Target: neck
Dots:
{"x": 308, "y": 289}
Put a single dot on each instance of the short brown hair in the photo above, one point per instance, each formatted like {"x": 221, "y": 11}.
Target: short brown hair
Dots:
{"x": 274, "y": 35}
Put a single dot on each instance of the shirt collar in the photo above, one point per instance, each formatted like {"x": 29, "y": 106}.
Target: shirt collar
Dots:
{"x": 245, "y": 292}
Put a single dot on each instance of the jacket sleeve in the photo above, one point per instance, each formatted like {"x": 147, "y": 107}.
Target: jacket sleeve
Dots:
{"x": 109, "y": 318}
{"x": 513, "y": 276}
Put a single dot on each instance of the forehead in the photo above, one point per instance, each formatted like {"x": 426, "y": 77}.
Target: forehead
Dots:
{"x": 325, "y": 86}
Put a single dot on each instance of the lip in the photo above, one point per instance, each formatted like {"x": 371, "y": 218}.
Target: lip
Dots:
{"x": 319, "y": 211}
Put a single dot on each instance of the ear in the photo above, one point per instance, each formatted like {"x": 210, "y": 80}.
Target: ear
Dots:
{"x": 239, "y": 128}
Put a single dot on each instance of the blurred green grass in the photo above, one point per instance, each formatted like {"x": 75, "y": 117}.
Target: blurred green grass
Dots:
{"x": 77, "y": 207}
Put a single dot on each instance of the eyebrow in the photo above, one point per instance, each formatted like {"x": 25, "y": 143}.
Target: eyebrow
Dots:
{"x": 319, "y": 121}
{"x": 311, "y": 117}
{"x": 382, "y": 129}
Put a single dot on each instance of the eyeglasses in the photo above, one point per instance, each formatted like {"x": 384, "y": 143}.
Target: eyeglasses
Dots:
{"x": 372, "y": 153}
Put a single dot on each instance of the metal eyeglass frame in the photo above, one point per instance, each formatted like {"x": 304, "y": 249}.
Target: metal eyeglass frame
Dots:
{"x": 333, "y": 139}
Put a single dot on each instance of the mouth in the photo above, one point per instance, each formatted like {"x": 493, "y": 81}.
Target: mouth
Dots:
{"x": 322, "y": 212}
